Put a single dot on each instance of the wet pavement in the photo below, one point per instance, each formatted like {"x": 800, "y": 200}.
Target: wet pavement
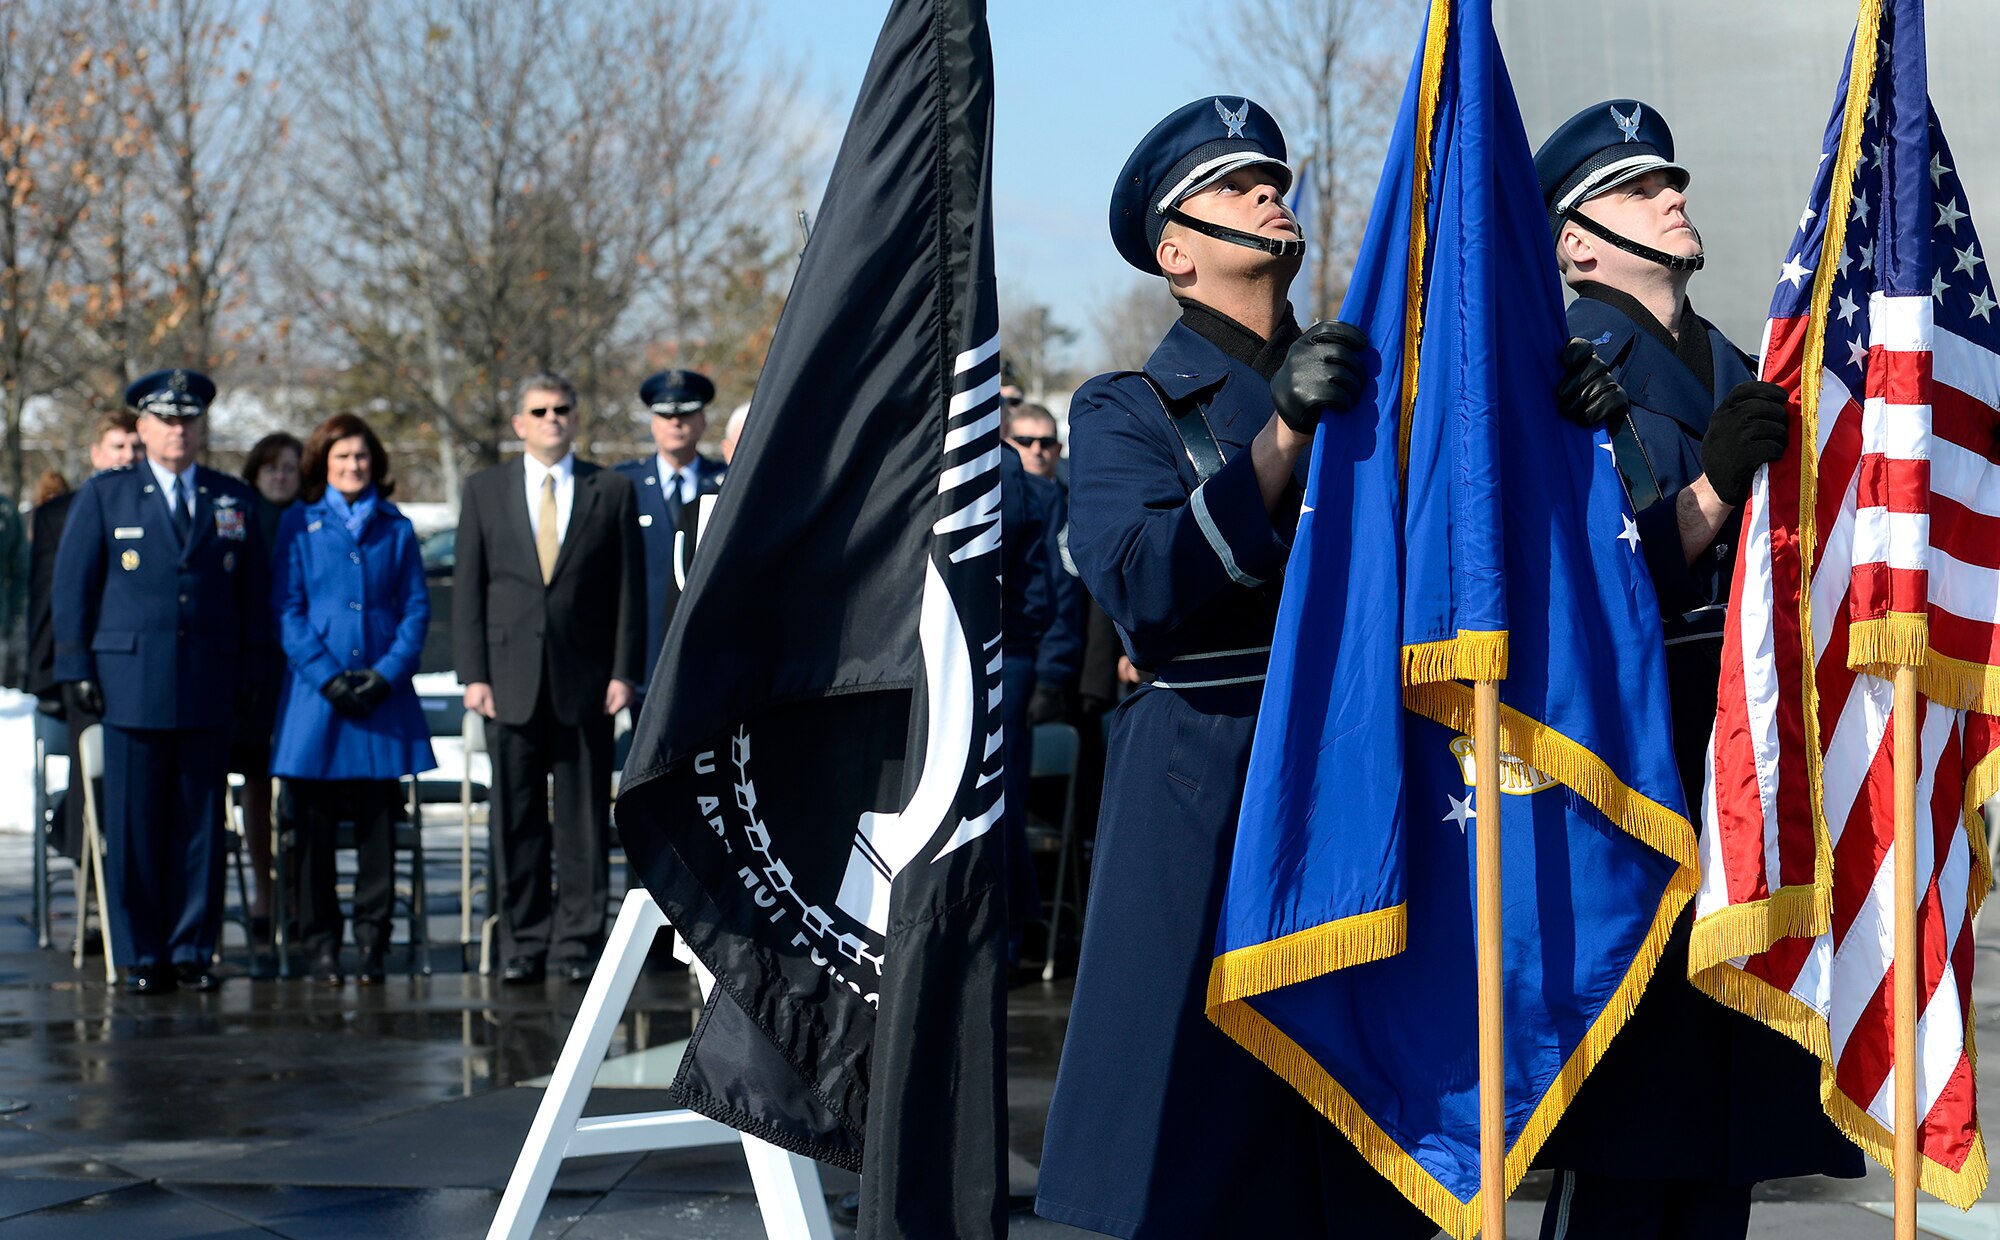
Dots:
{"x": 273, "y": 1108}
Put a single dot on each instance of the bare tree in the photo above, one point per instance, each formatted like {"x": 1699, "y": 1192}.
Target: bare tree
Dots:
{"x": 206, "y": 94}
{"x": 1030, "y": 339}
{"x": 490, "y": 189}
{"x": 1333, "y": 68}
{"x": 1131, "y": 322}
{"x": 56, "y": 127}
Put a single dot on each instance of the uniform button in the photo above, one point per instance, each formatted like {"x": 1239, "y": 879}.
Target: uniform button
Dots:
{"x": 184, "y": 598}
{"x": 355, "y": 556}
{"x": 354, "y": 654}
{"x": 180, "y": 632}
{"x": 355, "y": 606}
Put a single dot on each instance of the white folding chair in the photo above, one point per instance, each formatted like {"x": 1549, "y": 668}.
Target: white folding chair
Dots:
{"x": 50, "y": 737}
{"x": 473, "y": 733}
{"x": 89, "y": 768}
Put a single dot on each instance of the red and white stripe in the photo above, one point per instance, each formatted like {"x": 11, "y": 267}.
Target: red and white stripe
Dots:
{"x": 1906, "y": 518}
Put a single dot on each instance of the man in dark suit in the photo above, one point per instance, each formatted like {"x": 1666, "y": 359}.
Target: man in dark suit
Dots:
{"x": 114, "y": 444}
{"x": 670, "y": 484}
{"x": 161, "y": 608}
{"x": 548, "y": 629}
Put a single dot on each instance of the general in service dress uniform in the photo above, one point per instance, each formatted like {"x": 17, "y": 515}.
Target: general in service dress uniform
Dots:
{"x": 161, "y": 607}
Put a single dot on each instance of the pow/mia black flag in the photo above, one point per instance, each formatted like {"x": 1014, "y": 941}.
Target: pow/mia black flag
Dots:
{"x": 813, "y": 794}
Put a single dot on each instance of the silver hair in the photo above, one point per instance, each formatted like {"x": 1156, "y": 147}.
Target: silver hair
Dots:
{"x": 544, "y": 381}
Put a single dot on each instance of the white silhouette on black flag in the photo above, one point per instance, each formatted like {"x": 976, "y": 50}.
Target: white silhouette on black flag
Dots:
{"x": 813, "y": 794}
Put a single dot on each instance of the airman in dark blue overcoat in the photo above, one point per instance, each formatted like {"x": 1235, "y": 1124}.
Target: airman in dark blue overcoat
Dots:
{"x": 669, "y": 485}
{"x": 1185, "y": 486}
{"x": 1694, "y": 1103}
{"x": 161, "y": 612}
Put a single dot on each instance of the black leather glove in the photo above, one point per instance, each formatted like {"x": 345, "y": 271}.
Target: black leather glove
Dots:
{"x": 1324, "y": 371}
{"x": 1587, "y": 394}
{"x": 340, "y": 692}
{"x": 1050, "y": 703}
{"x": 1747, "y": 430}
{"x": 85, "y": 696}
{"x": 371, "y": 687}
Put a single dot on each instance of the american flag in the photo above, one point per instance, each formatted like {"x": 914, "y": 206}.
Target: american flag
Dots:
{"x": 1874, "y": 542}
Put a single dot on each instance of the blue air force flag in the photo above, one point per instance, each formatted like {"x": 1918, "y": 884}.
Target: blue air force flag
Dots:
{"x": 1456, "y": 530}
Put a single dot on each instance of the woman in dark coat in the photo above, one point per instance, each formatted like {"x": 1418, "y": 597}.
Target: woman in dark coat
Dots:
{"x": 348, "y": 591}
{"x": 272, "y": 470}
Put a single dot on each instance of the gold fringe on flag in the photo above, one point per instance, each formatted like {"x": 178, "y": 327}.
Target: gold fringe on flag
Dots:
{"x": 1801, "y": 911}
{"x": 1475, "y": 654}
{"x": 1802, "y": 1023}
{"x": 1248, "y": 1027}
{"x": 1899, "y": 639}
{"x": 1556, "y": 755}
{"x": 1959, "y": 684}
{"x": 1307, "y": 954}
{"x": 1435, "y": 37}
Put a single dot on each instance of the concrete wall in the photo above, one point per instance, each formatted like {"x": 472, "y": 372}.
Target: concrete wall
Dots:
{"x": 1747, "y": 86}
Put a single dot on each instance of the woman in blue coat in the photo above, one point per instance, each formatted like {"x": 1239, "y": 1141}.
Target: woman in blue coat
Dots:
{"x": 351, "y": 610}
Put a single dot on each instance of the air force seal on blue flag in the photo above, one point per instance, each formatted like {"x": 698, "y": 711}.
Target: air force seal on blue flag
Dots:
{"x": 1502, "y": 550}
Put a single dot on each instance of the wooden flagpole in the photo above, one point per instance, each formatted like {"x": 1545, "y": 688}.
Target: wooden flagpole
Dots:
{"x": 1492, "y": 1057}
{"x": 1908, "y": 1158}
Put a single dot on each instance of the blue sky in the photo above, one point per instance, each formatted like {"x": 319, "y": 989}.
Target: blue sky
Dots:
{"x": 1079, "y": 83}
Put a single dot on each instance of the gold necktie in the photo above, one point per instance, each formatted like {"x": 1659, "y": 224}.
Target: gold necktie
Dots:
{"x": 547, "y": 543}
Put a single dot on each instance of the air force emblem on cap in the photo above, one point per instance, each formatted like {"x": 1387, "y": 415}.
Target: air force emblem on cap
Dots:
{"x": 1628, "y": 125}
{"x": 1234, "y": 120}
{"x": 176, "y": 393}
{"x": 1183, "y": 155}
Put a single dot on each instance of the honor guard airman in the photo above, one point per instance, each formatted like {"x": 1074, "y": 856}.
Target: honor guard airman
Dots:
{"x": 1694, "y": 1103}
{"x": 670, "y": 485}
{"x": 162, "y": 606}
{"x": 1185, "y": 485}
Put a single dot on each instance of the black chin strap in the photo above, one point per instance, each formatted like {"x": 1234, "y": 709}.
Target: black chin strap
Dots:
{"x": 1236, "y": 236}
{"x": 1672, "y": 262}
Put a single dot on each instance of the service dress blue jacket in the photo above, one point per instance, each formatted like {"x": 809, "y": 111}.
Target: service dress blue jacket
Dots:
{"x": 343, "y": 603}
{"x": 169, "y": 631}
{"x": 660, "y": 519}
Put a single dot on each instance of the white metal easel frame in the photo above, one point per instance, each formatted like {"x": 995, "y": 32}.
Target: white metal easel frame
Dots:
{"x": 788, "y": 1185}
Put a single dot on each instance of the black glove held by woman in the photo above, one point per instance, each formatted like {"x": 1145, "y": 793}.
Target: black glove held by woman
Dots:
{"x": 340, "y": 692}
{"x": 371, "y": 688}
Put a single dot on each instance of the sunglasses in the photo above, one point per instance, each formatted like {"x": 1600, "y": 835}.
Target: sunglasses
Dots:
{"x": 1047, "y": 443}
{"x": 561, "y": 411}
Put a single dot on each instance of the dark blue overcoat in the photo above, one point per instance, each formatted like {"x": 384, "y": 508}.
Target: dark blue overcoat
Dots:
{"x": 343, "y": 603}
{"x": 1160, "y": 1125}
{"x": 1690, "y": 1089}
{"x": 659, "y": 520}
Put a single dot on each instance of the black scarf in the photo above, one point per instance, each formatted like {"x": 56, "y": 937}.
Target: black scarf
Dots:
{"x": 1238, "y": 342}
